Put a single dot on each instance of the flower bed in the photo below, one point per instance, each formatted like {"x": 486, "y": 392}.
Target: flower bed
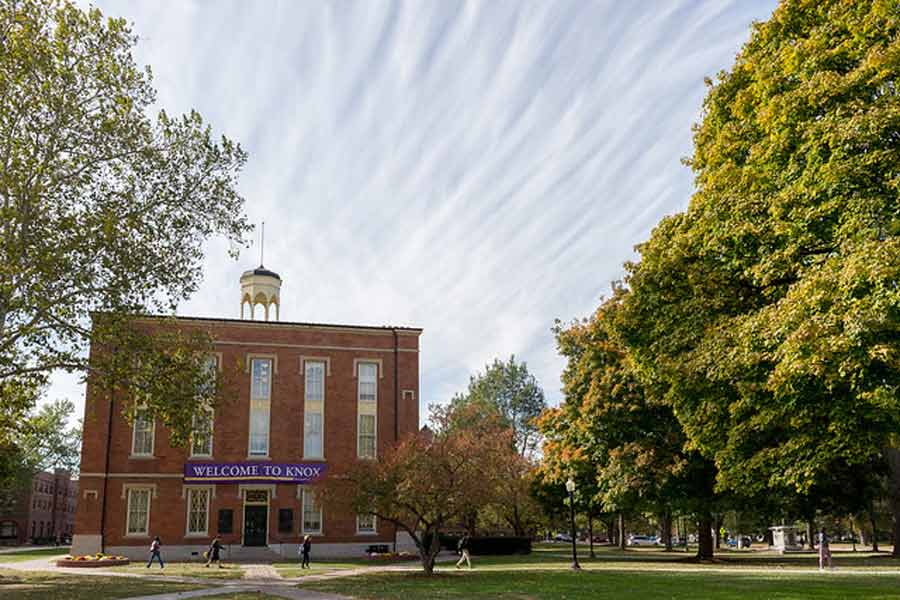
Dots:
{"x": 92, "y": 561}
{"x": 391, "y": 556}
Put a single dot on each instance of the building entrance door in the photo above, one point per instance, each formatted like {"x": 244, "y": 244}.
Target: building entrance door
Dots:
{"x": 255, "y": 518}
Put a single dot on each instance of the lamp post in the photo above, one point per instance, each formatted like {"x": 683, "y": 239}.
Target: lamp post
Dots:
{"x": 570, "y": 487}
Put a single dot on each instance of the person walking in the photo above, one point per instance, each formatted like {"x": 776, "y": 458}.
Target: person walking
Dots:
{"x": 462, "y": 546}
{"x": 305, "y": 548}
{"x": 212, "y": 555}
{"x": 155, "y": 553}
{"x": 824, "y": 551}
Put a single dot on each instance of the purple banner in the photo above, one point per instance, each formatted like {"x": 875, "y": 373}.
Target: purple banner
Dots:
{"x": 253, "y": 472}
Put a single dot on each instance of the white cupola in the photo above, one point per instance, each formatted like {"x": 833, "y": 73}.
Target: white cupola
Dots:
{"x": 260, "y": 286}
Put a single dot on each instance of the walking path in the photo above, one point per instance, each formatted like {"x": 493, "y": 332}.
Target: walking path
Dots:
{"x": 261, "y": 572}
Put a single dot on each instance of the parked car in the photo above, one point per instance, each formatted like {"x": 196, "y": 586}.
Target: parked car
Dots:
{"x": 562, "y": 537}
{"x": 601, "y": 539}
{"x": 641, "y": 540}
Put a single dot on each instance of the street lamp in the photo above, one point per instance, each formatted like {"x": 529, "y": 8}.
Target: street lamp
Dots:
{"x": 570, "y": 487}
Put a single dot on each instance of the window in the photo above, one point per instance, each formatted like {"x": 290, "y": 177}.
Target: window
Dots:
{"x": 313, "y": 409}
{"x": 312, "y": 512}
{"x": 368, "y": 378}
{"x": 260, "y": 393}
{"x": 202, "y": 435}
{"x": 285, "y": 520}
{"x": 138, "y": 511}
{"x": 142, "y": 441}
{"x": 367, "y": 403}
{"x": 198, "y": 511}
{"x": 226, "y": 520}
{"x": 365, "y": 523}
{"x": 366, "y": 436}
{"x": 202, "y": 429}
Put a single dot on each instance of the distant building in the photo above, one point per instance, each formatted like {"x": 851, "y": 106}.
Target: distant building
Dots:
{"x": 312, "y": 399}
{"x": 42, "y": 512}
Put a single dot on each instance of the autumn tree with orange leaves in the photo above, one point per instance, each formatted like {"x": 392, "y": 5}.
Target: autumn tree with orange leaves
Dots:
{"x": 428, "y": 483}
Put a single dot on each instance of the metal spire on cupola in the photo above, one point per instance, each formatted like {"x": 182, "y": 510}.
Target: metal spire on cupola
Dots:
{"x": 261, "y": 286}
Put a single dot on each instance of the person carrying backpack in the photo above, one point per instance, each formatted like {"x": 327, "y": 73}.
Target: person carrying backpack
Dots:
{"x": 155, "y": 553}
{"x": 462, "y": 546}
{"x": 212, "y": 555}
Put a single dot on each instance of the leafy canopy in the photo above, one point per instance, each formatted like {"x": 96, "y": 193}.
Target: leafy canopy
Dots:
{"x": 104, "y": 207}
{"x": 770, "y": 307}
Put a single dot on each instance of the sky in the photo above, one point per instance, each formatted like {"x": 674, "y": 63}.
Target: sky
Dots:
{"x": 476, "y": 169}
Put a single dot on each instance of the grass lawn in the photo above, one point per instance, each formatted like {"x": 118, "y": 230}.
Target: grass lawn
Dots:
{"x": 547, "y": 555}
{"x": 243, "y": 596}
{"x": 180, "y": 569}
{"x": 634, "y": 573}
{"x": 597, "y": 584}
{"x": 23, "y": 585}
{"x": 292, "y": 569}
{"x": 24, "y": 555}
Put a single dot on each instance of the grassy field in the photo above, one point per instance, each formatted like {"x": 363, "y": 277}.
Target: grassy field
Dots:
{"x": 23, "y": 585}
{"x": 23, "y": 555}
{"x": 180, "y": 569}
{"x": 603, "y": 584}
{"x": 641, "y": 573}
{"x": 545, "y": 555}
{"x": 243, "y": 596}
{"x": 293, "y": 569}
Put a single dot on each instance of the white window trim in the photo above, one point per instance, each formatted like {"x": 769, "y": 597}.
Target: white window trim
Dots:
{"x": 273, "y": 359}
{"x": 187, "y": 522}
{"x": 303, "y": 529}
{"x": 151, "y": 493}
{"x": 134, "y": 439}
{"x": 379, "y": 366}
{"x": 374, "y": 526}
{"x": 324, "y": 359}
{"x": 359, "y": 417}
{"x": 252, "y": 355}
{"x": 212, "y": 429}
{"x": 371, "y": 407}
{"x": 326, "y": 370}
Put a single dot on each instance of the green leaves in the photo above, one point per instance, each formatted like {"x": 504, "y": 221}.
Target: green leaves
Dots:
{"x": 769, "y": 310}
{"x": 104, "y": 207}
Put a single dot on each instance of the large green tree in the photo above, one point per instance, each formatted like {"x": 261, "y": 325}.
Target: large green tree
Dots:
{"x": 509, "y": 388}
{"x": 771, "y": 307}
{"x": 104, "y": 207}
{"x": 619, "y": 428}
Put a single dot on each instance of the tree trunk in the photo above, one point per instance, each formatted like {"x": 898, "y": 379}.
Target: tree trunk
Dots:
{"x": 621, "y": 538}
{"x": 666, "y": 524}
{"x": 874, "y": 528}
{"x": 717, "y": 528}
{"x": 892, "y": 456}
{"x": 590, "y": 517}
{"x": 611, "y": 532}
{"x": 811, "y": 534}
{"x": 705, "y": 538}
{"x": 429, "y": 547}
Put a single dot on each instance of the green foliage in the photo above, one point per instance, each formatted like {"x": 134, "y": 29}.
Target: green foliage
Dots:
{"x": 41, "y": 441}
{"x": 768, "y": 311}
{"x": 511, "y": 390}
{"x": 103, "y": 207}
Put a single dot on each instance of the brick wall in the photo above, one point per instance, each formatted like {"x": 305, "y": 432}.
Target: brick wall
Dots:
{"x": 236, "y": 340}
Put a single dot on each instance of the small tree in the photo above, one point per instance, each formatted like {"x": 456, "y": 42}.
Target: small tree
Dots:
{"x": 424, "y": 485}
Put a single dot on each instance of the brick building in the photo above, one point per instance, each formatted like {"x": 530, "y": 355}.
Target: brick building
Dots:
{"x": 313, "y": 398}
{"x": 42, "y": 512}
